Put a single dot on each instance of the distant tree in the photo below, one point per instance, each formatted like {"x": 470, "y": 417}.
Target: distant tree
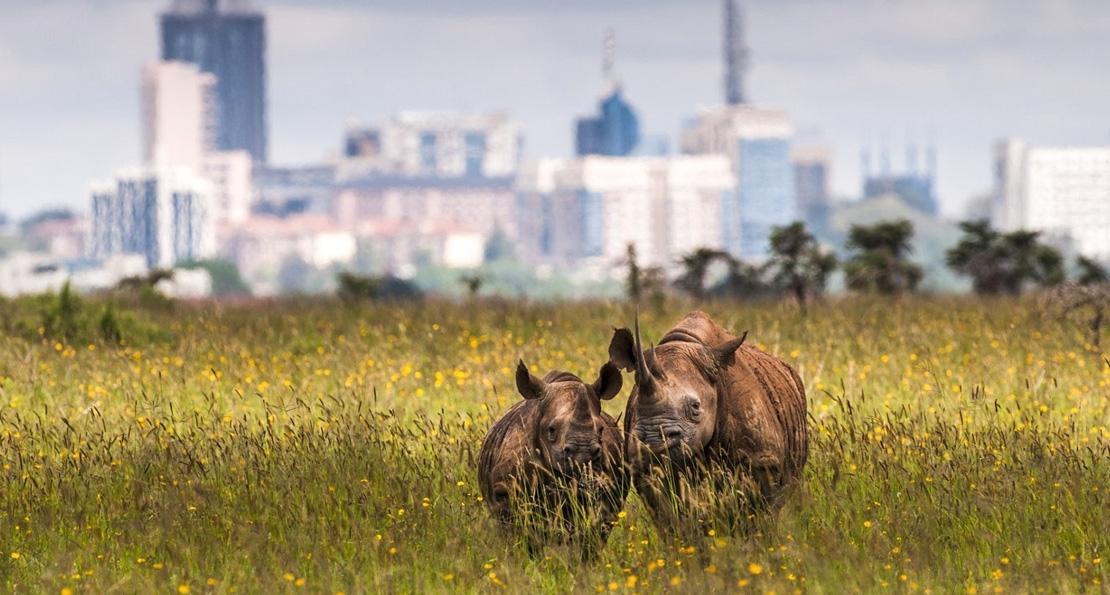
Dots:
{"x": 225, "y": 276}
{"x": 137, "y": 283}
{"x": 641, "y": 281}
{"x": 632, "y": 282}
{"x": 1068, "y": 299}
{"x": 695, "y": 267}
{"x": 473, "y": 284}
{"x": 1091, "y": 272}
{"x": 653, "y": 284}
{"x": 1004, "y": 263}
{"x": 879, "y": 264}
{"x": 743, "y": 280}
{"x": 353, "y": 288}
{"x": 397, "y": 289}
{"x": 798, "y": 265}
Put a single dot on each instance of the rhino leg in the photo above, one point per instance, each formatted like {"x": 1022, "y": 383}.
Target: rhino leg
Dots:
{"x": 766, "y": 471}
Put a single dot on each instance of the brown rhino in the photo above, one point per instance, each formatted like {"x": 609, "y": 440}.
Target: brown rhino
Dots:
{"x": 552, "y": 466}
{"x": 708, "y": 410}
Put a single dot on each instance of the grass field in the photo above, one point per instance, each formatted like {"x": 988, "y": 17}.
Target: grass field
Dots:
{"x": 958, "y": 446}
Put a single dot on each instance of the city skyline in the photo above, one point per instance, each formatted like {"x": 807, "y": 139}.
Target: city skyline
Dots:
{"x": 963, "y": 73}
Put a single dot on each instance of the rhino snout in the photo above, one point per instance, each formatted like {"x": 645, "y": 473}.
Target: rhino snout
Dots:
{"x": 585, "y": 453}
{"x": 661, "y": 437}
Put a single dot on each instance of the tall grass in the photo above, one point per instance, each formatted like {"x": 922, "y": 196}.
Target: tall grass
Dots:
{"x": 957, "y": 445}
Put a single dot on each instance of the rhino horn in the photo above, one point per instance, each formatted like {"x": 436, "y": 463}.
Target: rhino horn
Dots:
{"x": 644, "y": 379}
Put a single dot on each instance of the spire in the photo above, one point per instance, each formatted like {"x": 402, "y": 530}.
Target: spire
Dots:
{"x": 610, "y": 51}
{"x": 736, "y": 54}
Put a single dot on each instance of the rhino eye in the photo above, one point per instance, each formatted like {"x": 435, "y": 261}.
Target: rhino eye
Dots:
{"x": 551, "y": 432}
{"x": 693, "y": 409}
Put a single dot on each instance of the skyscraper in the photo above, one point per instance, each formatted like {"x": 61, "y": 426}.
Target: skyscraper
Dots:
{"x": 758, "y": 142}
{"x": 228, "y": 39}
{"x": 736, "y": 54}
{"x": 615, "y": 131}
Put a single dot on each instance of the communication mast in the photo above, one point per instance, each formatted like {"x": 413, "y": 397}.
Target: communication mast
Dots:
{"x": 736, "y": 54}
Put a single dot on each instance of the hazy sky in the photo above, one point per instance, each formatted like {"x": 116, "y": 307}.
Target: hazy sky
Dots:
{"x": 964, "y": 72}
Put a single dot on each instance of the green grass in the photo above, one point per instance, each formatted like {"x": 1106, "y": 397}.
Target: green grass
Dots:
{"x": 310, "y": 447}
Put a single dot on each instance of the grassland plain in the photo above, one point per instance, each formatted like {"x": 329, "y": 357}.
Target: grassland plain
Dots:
{"x": 958, "y": 446}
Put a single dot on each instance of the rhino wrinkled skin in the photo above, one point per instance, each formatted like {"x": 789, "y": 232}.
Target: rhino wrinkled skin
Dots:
{"x": 705, "y": 400}
{"x": 552, "y": 467}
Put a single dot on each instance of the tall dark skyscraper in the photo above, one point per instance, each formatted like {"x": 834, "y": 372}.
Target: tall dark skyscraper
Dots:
{"x": 736, "y": 54}
{"x": 228, "y": 39}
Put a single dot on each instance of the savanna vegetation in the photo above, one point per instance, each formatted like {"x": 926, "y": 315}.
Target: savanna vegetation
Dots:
{"x": 959, "y": 445}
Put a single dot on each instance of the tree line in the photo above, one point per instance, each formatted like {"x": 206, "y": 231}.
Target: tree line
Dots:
{"x": 998, "y": 263}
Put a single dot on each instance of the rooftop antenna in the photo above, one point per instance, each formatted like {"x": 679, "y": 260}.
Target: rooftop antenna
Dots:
{"x": 736, "y": 54}
{"x": 610, "y": 52}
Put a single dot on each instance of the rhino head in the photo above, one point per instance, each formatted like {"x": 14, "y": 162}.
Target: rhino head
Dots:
{"x": 569, "y": 426}
{"x": 674, "y": 412}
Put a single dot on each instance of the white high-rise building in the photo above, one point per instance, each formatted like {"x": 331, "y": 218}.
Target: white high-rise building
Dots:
{"x": 1063, "y": 192}
{"x": 589, "y": 209}
{"x": 178, "y": 114}
{"x": 179, "y": 128}
{"x": 163, "y": 214}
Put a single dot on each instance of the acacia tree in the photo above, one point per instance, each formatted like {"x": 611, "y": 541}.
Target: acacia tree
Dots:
{"x": 798, "y": 265}
{"x": 695, "y": 266}
{"x": 1091, "y": 272}
{"x": 880, "y": 262}
{"x": 744, "y": 280}
{"x": 1004, "y": 263}
{"x": 642, "y": 280}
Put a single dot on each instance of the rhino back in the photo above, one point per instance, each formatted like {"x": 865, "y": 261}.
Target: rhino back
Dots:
{"x": 698, "y": 327}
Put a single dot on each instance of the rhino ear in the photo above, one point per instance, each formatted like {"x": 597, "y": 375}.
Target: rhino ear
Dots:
{"x": 722, "y": 353}
{"x": 528, "y": 385}
{"x": 609, "y": 381}
{"x": 622, "y": 349}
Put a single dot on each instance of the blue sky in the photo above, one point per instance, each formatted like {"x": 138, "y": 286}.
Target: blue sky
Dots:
{"x": 964, "y": 72}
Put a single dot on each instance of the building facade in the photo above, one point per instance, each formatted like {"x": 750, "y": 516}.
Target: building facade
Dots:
{"x": 433, "y": 145}
{"x": 583, "y": 213}
{"x": 161, "y": 213}
{"x": 614, "y": 131}
{"x": 757, "y": 143}
{"x": 178, "y": 114}
{"x": 230, "y": 174}
{"x": 811, "y": 183}
{"x": 226, "y": 38}
{"x": 1063, "y": 192}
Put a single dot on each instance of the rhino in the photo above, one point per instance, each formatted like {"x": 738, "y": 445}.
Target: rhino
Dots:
{"x": 709, "y": 410}
{"x": 552, "y": 467}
